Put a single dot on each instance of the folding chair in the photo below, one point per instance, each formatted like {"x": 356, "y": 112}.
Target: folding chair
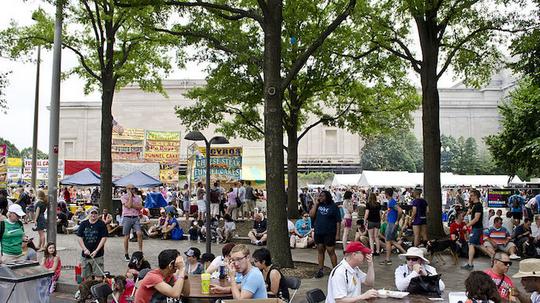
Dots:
{"x": 315, "y": 296}
{"x": 294, "y": 284}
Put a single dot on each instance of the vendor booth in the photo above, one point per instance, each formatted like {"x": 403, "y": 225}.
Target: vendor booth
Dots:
{"x": 139, "y": 179}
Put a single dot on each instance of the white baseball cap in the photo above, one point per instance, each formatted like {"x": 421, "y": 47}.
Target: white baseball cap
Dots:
{"x": 16, "y": 209}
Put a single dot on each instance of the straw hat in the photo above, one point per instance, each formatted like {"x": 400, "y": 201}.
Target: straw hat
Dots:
{"x": 528, "y": 268}
{"x": 414, "y": 252}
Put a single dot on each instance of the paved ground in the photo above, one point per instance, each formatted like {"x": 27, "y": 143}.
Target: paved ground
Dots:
{"x": 453, "y": 276}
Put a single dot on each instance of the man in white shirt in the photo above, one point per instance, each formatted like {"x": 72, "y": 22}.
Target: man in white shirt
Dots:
{"x": 529, "y": 272}
{"x": 346, "y": 279}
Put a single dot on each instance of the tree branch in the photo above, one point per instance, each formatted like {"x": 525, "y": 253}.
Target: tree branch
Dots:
{"x": 235, "y": 111}
{"x": 98, "y": 34}
{"x": 300, "y": 61}
{"x": 359, "y": 56}
{"x": 415, "y": 64}
{"x": 326, "y": 119}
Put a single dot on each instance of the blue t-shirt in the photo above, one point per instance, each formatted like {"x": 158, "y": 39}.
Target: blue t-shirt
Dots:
{"x": 303, "y": 227}
{"x": 392, "y": 215}
{"x": 520, "y": 201}
{"x": 327, "y": 217}
{"x": 254, "y": 283}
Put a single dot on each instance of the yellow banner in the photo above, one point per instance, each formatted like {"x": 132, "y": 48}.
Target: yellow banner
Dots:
{"x": 163, "y": 136}
{"x": 162, "y": 156}
{"x": 130, "y": 134}
{"x": 14, "y": 162}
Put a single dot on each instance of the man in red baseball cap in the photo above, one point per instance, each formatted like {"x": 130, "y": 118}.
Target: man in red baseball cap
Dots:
{"x": 346, "y": 279}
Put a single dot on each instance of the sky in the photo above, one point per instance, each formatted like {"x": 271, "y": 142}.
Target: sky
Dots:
{"x": 17, "y": 125}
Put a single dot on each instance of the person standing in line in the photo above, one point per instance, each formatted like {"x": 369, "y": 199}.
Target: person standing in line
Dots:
{"x": 201, "y": 203}
{"x": 327, "y": 218}
{"x": 92, "y": 235}
{"x": 241, "y": 194}
{"x": 392, "y": 217}
{"x": 373, "y": 217}
{"x": 215, "y": 199}
{"x": 185, "y": 200}
{"x": 347, "y": 216}
{"x": 250, "y": 200}
{"x": 131, "y": 207}
{"x": 39, "y": 218}
{"x": 475, "y": 223}
{"x": 419, "y": 215}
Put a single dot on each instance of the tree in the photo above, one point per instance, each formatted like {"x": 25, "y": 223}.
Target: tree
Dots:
{"x": 395, "y": 151}
{"x": 366, "y": 94}
{"x": 3, "y": 84}
{"x": 12, "y": 150}
{"x": 277, "y": 76}
{"x": 113, "y": 49}
{"x": 457, "y": 33}
{"x": 26, "y": 153}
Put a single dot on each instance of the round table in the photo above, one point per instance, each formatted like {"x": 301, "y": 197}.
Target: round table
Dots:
{"x": 195, "y": 295}
{"x": 407, "y": 299}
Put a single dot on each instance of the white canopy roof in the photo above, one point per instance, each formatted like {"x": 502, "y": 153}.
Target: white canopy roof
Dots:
{"x": 386, "y": 179}
{"x": 346, "y": 180}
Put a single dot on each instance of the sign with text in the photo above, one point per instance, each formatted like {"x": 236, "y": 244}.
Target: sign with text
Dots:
{"x": 128, "y": 145}
{"x": 3, "y": 166}
{"x": 225, "y": 164}
{"x": 162, "y": 146}
{"x": 42, "y": 169}
{"x": 499, "y": 197}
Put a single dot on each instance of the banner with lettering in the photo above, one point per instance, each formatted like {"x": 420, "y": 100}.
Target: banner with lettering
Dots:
{"x": 3, "y": 166}
{"x": 127, "y": 145}
{"x": 225, "y": 164}
{"x": 168, "y": 173}
{"x": 14, "y": 170}
{"x": 162, "y": 146}
{"x": 42, "y": 169}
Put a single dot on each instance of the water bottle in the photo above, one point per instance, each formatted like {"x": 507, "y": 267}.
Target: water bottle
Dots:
{"x": 78, "y": 274}
{"x": 222, "y": 272}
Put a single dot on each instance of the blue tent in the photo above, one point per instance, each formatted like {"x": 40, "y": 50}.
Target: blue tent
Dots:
{"x": 154, "y": 200}
{"x": 139, "y": 179}
{"x": 85, "y": 177}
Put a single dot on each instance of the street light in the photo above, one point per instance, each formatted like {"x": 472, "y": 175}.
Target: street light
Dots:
{"x": 198, "y": 136}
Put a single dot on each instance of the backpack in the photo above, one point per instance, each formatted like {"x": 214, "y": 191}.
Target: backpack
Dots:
{"x": 214, "y": 196}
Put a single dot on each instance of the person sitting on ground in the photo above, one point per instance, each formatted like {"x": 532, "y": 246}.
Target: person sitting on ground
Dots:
{"x": 29, "y": 250}
{"x": 249, "y": 284}
{"x": 169, "y": 280}
{"x": 258, "y": 234}
{"x": 497, "y": 238}
{"x": 346, "y": 279}
{"x": 500, "y": 263}
{"x": 304, "y": 229}
{"x": 222, "y": 260}
{"x": 52, "y": 262}
{"x": 62, "y": 221}
{"x": 361, "y": 234}
{"x": 171, "y": 228}
{"x": 416, "y": 265}
{"x": 480, "y": 288}
{"x": 535, "y": 231}
{"x": 529, "y": 272}
{"x": 136, "y": 264}
{"x": 155, "y": 230}
{"x": 397, "y": 244}
{"x": 458, "y": 235}
{"x": 193, "y": 264}
{"x": 508, "y": 222}
{"x": 144, "y": 220}
{"x": 194, "y": 230}
{"x": 273, "y": 278}
{"x": 523, "y": 235}
{"x": 107, "y": 218}
{"x": 226, "y": 233}
{"x": 498, "y": 214}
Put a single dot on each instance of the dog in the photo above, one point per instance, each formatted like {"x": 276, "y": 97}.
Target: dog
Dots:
{"x": 436, "y": 248}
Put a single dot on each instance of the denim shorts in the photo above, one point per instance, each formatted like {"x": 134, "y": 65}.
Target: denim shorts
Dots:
{"x": 476, "y": 236}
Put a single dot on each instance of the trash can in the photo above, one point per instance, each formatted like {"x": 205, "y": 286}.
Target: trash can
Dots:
{"x": 24, "y": 281}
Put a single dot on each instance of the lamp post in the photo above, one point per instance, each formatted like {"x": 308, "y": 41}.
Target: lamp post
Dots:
{"x": 198, "y": 136}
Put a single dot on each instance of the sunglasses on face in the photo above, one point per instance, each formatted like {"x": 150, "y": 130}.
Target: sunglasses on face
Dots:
{"x": 507, "y": 263}
{"x": 412, "y": 259}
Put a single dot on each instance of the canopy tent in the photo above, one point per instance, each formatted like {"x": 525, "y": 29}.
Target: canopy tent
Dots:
{"x": 139, "y": 179}
{"x": 386, "y": 179}
{"x": 346, "y": 180}
{"x": 85, "y": 177}
{"x": 154, "y": 200}
{"x": 478, "y": 180}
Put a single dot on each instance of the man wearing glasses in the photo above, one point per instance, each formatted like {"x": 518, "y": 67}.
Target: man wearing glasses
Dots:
{"x": 499, "y": 267}
{"x": 248, "y": 283}
{"x": 92, "y": 237}
{"x": 131, "y": 207}
{"x": 417, "y": 265}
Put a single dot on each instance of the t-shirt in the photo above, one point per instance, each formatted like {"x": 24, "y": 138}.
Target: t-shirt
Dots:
{"x": 499, "y": 236}
{"x": 521, "y": 230}
{"x": 290, "y": 226}
{"x": 421, "y": 210}
{"x": 253, "y": 282}
{"x": 517, "y": 199}
{"x": 477, "y": 208}
{"x": 535, "y": 297}
{"x": 260, "y": 226}
{"x": 458, "y": 229}
{"x": 392, "y": 215}
{"x": 200, "y": 193}
{"x": 218, "y": 262}
{"x": 303, "y": 227}
{"x": 136, "y": 200}
{"x": 327, "y": 217}
{"x": 503, "y": 283}
{"x": 12, "y": 238}
{"x": 92, "y": 235}
{"x": 146, "y": 287}
{"x": 374, "y": 214}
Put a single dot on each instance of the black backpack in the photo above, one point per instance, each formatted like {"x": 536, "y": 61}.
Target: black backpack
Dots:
{"x": 214, "y": 196}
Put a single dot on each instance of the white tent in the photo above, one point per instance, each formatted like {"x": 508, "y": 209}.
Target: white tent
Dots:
{"x": 478, "y": 180}
{"x": 371, "y": 178}
{"x": 346, "y": 180}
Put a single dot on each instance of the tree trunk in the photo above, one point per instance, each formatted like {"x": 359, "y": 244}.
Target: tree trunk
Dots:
{"x": 278, "y": 242}
{"x": 292, "y": 172}
{"x": 430, "y": 124}
{"x": 106, "y": 138}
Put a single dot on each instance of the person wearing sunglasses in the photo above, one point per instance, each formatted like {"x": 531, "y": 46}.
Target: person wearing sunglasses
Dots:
{"x": 500, "y": 263}
{"x": 416, "y": 265}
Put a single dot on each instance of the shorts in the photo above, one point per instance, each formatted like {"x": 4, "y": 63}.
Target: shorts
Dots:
{"x": 421, "y": 222}
{"x": 129, "y": 223}
{"x": 201, "y": 206}
{"x": 348, "y": 222}
{"x": 475, "y": 237}
{"x": 89, "y": 267}
{"x": 390, "y": 233}
{"x": 517, "y": 215}
{"x": 249, "y": 205}
{"x": 503, "y": 248}
{"x": 326, "y": 239}
{"x": 186, "y": 206}
{"x": 41, "y": 223}
{"x": 372, "y": 225}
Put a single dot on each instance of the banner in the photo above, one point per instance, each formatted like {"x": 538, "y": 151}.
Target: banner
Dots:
{"x": 168, "y": 173}
{"x": 14, "y": 162}
{"x": 3, "y": 166}
{"x": 499, "y": 197}
{"x": 75, "y": 166}
{"x": 42, "y": 169}
{"x": 225, "y": 164}
{"x": 162, "y": 146}
{"x": 128, "y": 145}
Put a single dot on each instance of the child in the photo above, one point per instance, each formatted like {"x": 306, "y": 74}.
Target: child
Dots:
{"x": 361, "y": 232}
{"x": 225, "y": 233}
{"x": 194, "y": 230}
{"x": 136, "y": 264}
{"x": 52, "y": 262}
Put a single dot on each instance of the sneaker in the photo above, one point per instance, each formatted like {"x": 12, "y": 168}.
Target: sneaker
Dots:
{"x": 319, "y": 274}
{"x": 384, "y": 262}
{"x": 467, "y": 267}
{"x": 127, "y": 257}
{"x": 514, "y": 257}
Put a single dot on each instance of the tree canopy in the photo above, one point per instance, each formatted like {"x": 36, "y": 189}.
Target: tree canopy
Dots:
{"x": 393, "y": 151}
